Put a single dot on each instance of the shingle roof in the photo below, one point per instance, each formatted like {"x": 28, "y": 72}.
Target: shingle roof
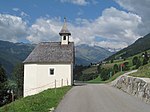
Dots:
{"x": 64, "y": 29}
{"x": 51, "y": 52}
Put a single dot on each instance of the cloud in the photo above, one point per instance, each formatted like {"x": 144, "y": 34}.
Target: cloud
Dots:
{"x": 111, "y": 44}
{"x": 117, "y": 25}
{"x": 114, "y": 29}
{"x": 22, "y": 13}
{"x": 79, "y": 2}
{"x": 16, "y": 9}
{"x": 12, "y": 28}
{"x": 119, "y": 29}
{"x": 141, "y": 8}
{"x": 44, "y": 30}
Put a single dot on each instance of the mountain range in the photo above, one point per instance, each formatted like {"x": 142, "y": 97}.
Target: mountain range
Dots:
{"x": 13, "y": 53}
{"x": 139, "y": 46}
{"x": 86, "y": 54}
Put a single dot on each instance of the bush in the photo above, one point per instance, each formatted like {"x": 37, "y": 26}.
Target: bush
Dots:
{"x": 138, "y": 64}
{"x": 105, "y": 74}
{"x": 115, "y": 68}
{"x": 135, "y": 60}
{"x": 126, "y": 67}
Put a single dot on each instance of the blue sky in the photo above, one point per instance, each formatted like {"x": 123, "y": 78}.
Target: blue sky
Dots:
{"x": 54, "y": 8}
{"x": 106, "y": 23}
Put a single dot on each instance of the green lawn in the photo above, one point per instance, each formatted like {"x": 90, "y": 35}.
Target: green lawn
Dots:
{"x": 143, "y": 71}
{"x": 41, "y": 102}
{"x": 98, "y": 79}
{"x": 115, "y": 76}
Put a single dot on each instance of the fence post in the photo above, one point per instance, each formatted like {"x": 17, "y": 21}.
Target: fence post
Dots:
{"x": 55, "y": 86}
{"x": 61, "y": 82}
{"x": 67, "y": 82}
{"x": 12, "y": 95}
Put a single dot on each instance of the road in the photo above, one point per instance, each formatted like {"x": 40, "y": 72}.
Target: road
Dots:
{"x": 100, "y": 98}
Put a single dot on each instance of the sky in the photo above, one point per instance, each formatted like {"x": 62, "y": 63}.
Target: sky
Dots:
{"x": 107, "y": 23}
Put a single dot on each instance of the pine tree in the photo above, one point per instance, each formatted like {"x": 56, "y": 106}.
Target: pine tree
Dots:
{"x": 18, "y": 75}
{"x": 3, "y": 86}
{"x": 146, "y": 58}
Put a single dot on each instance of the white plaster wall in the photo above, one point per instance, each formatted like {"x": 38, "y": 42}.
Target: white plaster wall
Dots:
{"x": 41, "y": 79}
{"x": 30, "y": 79}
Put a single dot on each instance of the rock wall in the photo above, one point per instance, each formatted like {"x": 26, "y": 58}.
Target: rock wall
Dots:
{"x": 135, "y": 86}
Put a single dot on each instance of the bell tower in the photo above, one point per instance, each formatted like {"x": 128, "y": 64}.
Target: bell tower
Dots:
{"x": 64, "y": 33}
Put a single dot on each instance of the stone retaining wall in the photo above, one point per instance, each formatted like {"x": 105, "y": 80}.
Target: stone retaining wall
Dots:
{"x": 134, "y": 86}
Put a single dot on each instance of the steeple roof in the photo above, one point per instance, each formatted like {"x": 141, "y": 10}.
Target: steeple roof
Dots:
{"x": 64, "y": 29}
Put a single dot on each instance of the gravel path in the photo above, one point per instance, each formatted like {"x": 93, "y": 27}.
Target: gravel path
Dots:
{"x": 100, "y": 98}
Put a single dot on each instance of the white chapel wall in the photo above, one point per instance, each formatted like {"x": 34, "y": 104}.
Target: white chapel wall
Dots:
{"x": 30, "y": 79}
{"x": 41, "y": 79}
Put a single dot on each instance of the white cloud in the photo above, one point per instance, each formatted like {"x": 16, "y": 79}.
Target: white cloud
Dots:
{"x": 114, "y": 25}
{"x": 114, "y": 29}
{"x": 80, "y": 2}
{"x": 12, "y": 28}
{"x": 140, "y": 7}
{"x": 22, "y": 13}
{"x": 113, "y": 44}
{"x": 117, "y": 27}
{"x": 16, "y": 9}
{"x": 44, "y": 30}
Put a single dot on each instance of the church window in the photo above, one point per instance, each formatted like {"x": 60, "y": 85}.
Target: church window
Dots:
{"x": 64, "y": 38}
{"x": 51, "y": 71}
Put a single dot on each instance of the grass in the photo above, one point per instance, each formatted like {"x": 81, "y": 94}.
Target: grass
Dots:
{"x": 41, "y": 102}
{"x": 110, "y": 65}
{"x": 99, "y": 80}
{"x": 143, "y": 71}
{"x": 115, "y": 76}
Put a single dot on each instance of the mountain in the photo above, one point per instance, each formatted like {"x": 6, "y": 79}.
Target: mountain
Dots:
{"x": 86, "y": 54}
{"x": 140, "y": 45}
{"x": 13, "y": 53}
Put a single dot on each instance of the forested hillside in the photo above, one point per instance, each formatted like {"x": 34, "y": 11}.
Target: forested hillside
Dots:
{"x": 13, "y": 53}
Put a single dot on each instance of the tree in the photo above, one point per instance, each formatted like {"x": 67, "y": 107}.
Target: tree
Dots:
{"x": 3, "y": 77}
{"x": 105, "y": 74}
{"x": 77, "y": 72}
{"x": 112, "y": 61}
{"x": 146, "y": 58}
{"x": 99, "y": 68}
{"x": 18, "y": 76}
{"x": 138, "y": 64}
{"x": 4, "y": 96}
{"x": 115, "y": 68}
{"x": 135, "y": 60}
{"x": 126, "y": 67}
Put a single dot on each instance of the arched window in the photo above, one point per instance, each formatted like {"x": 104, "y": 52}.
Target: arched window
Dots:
{"x": 64, "y": 38}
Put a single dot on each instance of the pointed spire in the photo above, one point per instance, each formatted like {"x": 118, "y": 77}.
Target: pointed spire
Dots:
{"x": 64, "y": 30}
{"x": 65, "y": 20}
